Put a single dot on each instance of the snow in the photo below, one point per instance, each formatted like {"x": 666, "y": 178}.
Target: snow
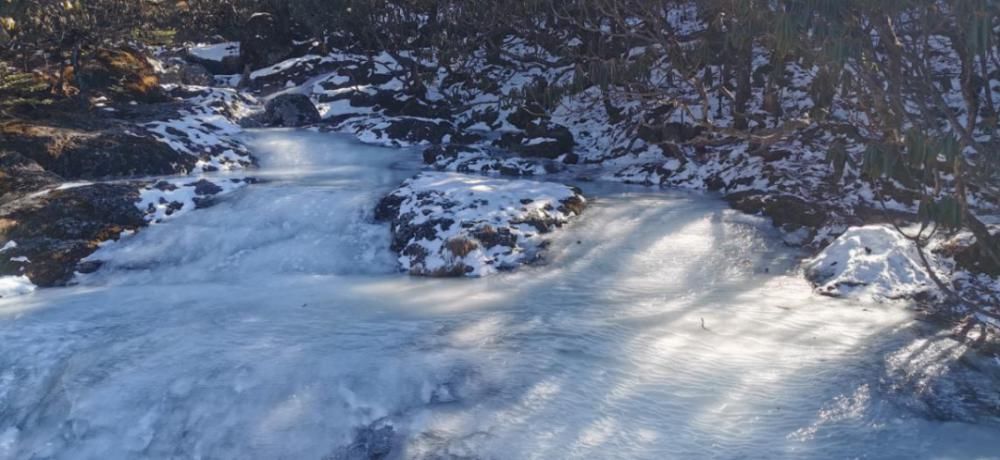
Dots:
{"x": 11, "y": 286}
{"x": 873, "y": 261}
{"x": 215, "y": 51}
{"x": 171, "y": 198}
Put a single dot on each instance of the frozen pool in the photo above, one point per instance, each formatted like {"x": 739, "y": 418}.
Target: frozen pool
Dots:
{"x": 275, "y": 325}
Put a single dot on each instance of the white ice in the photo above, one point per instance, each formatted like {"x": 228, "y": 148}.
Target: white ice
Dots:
{"x": 275, "y": 324}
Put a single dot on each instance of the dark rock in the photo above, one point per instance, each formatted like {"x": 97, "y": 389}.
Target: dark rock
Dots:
{"x": 205, "y": 187}
{"x": 120, "y": 73}
{"x": 785, "y": 210}
{"x": 20, "y": 175}
{"x": 373, "y": 442}
{"x": 974, "y": 258}
{"x": 290, "y": 110}
{"x": 669, "y": 132}
{"x": 527, "y": 116}
{"x": 264, "y": 42}
{"x": 543, "y": 141}
{"x": 415, "y": 130}
{"x": 490, "y": 237}
{"x": 58, "y": 229}
{"x": 468, "y": 159}
{"x": 79, "y": 154}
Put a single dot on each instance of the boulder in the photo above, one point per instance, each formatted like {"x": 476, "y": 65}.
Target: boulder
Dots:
{"x": 542, "y": 141}
{"x": 264, "y": 43}
{"x": 290, "y": 110}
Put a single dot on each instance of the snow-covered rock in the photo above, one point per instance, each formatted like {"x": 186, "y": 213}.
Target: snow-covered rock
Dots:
{"x": 169, "y": 199}
{"x": 448, "y": 224}
{"x": 208, "y": 129}
{"x": 873, "y": 261}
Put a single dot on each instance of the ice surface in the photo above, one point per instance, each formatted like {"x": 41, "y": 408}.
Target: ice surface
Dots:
{"x": 275, "y": 325}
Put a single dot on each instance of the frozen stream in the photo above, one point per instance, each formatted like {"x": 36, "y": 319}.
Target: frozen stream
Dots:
{"x": 275, "y": 325}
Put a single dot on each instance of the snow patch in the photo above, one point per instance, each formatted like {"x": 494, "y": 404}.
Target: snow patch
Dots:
{"x": 11, "y": 286}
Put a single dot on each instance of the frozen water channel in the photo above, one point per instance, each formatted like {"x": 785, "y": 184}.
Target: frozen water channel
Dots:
{"x": 275, "y": 325}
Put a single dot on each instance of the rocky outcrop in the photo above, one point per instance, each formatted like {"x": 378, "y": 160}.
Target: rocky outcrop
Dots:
{"x": 290, "y": 110}
{"x": 446, "y": 224}
{"x": 111, "y": 151}
{"x": 54, "y": 230}
{"x": 20, "y": 175}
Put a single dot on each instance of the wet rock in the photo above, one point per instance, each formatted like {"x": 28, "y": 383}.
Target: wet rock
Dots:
{"x": 57, "y": 229}
{"x": 447, "y": 224}
{"x": 290, "y": 110}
